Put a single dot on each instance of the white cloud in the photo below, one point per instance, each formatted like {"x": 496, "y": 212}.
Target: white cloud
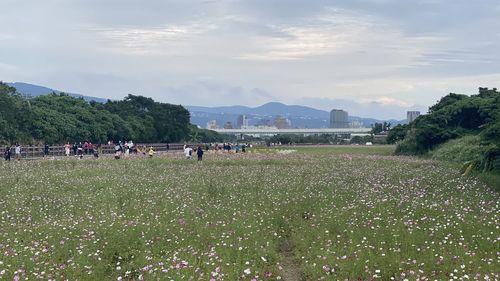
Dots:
{"x": 161, "y": 40}
{"x": 385, "y": 51}
{"x": 387, "y": 101}
{"x": 341, "y": 33}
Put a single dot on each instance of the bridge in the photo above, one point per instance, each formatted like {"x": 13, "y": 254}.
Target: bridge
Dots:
{"x": 307, "y": 131}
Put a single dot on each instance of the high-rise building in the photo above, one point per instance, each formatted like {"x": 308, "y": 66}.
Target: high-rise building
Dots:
{"x": 212, "y": 125}
{"x": 339, "y": 119}
{"x": 281, "y": 122}
{"x": 242, "y": 122}
{"x": 411, "y": 116}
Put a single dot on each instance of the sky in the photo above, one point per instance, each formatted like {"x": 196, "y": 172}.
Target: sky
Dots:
{"x": 377, "y": 58}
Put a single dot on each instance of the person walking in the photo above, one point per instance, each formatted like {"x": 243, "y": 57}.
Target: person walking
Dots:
{"x": 199, "y": 152}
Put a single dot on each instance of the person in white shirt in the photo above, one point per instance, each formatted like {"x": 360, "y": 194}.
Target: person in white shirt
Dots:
{"x": 188, "y": 152}
{"x": 18, "y": 152}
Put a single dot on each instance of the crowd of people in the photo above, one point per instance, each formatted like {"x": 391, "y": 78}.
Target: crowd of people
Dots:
{"x": 125, "y": 149}
{"x": 16, "y": 150}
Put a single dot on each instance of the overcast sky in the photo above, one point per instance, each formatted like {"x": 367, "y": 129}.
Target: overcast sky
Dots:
{"x": 319, "y": 53}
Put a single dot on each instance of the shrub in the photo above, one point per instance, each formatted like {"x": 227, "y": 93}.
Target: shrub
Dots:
{"x": 464, "y": 149}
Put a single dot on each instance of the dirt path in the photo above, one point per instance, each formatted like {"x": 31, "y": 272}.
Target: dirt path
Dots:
{"x": 291, "y": 271}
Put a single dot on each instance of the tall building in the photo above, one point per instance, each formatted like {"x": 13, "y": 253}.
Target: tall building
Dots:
{"x": 242, "y": 122}
{"x": 281, "y": 122}
{"x": 411, "y": 116}
{"x": 212, "y": 125}
{"x": 339, "y": 119}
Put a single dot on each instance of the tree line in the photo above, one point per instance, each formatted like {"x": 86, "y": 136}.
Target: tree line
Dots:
{"x": 59, "y": 118}
{"x": 456, "y": 116}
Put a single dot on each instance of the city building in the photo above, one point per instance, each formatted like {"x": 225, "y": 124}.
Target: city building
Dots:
{"x": 228, "y": 125}
{"x": 355, "y": 124}
{"x": 411, "y": 116}
{"x": 282, "y": 122}
{"x": 339, "y": 119}
{"x": 242, "y": 122}
{"x": 263, "y": 122}
{"x": 212, "y": 125}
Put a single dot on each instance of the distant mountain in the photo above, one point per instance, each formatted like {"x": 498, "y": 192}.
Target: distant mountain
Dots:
{"x": 35, "y": 91}
{"x": 268, "y": 109}
{"x": 300, "y": 116}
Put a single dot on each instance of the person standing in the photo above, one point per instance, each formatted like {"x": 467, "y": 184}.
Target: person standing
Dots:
{"x": 7, "y": 153}
{"x": 18, "y": 151}
{"x": 80, "y": 150}
{"x": 75, "y": 148}
{"x": 118, "y": 151}
{"x": 46, "y": 149}
{"x": 67, "y": 149}
{"x": 199, "y": 152}
{"x": 188, "y": 151}
{"x": 86, "y": 147}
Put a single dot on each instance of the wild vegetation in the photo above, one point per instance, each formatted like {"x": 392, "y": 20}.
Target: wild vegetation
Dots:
{"x": 454, "y": 117}
{"x": 352, "y": 213}
{"x": 58, "y": 118}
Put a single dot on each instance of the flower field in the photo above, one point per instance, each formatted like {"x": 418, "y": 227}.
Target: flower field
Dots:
{"x": 299, "y": 214}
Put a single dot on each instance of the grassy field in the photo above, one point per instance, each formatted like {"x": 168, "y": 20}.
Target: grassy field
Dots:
{"x": 281, "y": 214}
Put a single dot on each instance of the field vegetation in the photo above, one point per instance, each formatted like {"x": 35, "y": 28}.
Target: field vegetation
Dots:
{"x": 283, "y": 214}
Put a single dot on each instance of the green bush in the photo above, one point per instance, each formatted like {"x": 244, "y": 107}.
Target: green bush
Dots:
{"x": 464, "y": 149}
{"x": 409, "y": 146}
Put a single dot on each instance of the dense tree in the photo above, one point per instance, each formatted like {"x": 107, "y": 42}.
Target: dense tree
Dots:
{"x": 14, "y": 115}
{"x": 58, "y": 118}
{"x": 452, "y": 117}
{"x": 397, "y": 134}
{"x": 378, "y": 128}
{"x": 155, "y": 121}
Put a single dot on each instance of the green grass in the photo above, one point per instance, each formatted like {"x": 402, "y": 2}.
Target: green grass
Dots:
{"x": 491, "y": 179}
{"x": 354, "y": 210}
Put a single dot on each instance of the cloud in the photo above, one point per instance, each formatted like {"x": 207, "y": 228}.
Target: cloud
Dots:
{"x": 151, "y": 41}
{"x": 340, "y": 32}
{"x": 385, "y": 52}
{"x": 383, "y": 100}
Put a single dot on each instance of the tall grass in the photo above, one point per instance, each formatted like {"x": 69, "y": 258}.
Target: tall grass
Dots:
{"x": 468, "y": 148}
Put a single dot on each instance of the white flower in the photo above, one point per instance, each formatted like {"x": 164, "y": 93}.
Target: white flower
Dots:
{"x": 247, "y": 271}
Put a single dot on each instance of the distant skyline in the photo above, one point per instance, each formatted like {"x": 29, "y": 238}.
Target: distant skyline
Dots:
{"x": 379, "y": 56}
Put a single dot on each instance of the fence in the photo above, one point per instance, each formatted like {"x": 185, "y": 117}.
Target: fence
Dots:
{"x": 31, "y": 152}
